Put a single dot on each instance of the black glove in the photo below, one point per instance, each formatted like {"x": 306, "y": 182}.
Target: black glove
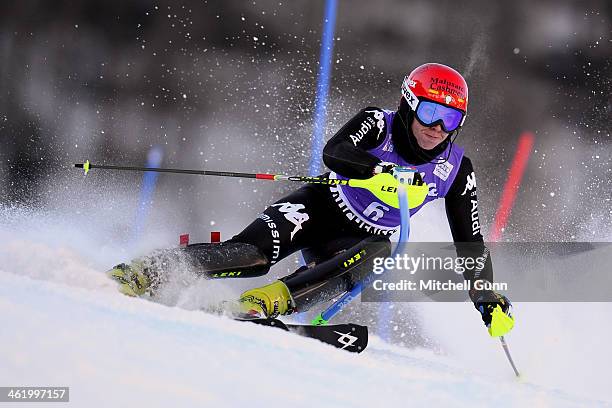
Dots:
{"x": 384, "y": 167}
{"x": 388, "y": 167}
{"x": 486, "y": 301}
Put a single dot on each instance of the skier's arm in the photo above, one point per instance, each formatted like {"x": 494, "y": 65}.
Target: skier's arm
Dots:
{"x": 462, "y": 212}
{"x": 346, "y": 152}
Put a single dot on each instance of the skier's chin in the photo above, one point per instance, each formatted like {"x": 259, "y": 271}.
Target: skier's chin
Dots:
{"x": 428, "y": 143}
{"x": 427, "y": 138}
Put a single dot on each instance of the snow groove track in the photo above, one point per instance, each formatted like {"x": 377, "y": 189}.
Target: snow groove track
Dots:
{"x": 117, "y": 351}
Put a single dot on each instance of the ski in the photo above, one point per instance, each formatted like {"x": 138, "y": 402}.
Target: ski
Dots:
{"x": 350, "y": 337}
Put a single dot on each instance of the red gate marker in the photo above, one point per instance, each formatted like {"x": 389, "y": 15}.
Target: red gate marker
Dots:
{"x": 215, "y": 236}
{"x": 517, "y": 169}
{"x": 184, "y": 240}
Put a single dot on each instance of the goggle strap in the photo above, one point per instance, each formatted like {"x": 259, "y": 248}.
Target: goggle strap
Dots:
{"x": 410, "y": 97}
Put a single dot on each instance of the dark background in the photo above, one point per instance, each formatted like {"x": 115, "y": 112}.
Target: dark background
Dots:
{"x": 230, "y": 85}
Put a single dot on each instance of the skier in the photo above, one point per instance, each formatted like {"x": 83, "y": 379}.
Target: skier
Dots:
{"x": 341, "y": 229}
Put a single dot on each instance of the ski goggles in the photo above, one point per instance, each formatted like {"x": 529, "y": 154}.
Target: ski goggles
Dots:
{"x": 431, "y": 114}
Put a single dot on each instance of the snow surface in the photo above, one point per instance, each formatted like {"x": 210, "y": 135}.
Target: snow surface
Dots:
{"x": 63, "y": 323}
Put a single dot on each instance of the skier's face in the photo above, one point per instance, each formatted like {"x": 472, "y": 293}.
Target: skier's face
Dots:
{"x": 428, "y": 137}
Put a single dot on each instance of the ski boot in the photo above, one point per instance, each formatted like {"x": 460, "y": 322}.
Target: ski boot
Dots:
{"x": 267, "y": 301}
{"x": 134, "y": 280}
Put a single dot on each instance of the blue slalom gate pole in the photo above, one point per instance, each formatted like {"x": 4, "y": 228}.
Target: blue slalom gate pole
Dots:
{"x": 385, "y": 308}
{"x": 323, "y": 80}
{"x": 149, "y": 180}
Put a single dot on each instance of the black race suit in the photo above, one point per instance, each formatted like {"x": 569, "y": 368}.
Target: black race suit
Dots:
{"x": 308, "y": 219}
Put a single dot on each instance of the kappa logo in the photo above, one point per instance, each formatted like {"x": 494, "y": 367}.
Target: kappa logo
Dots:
{"x": 346, "y": 339}
{"x": 470, "y": 183}
{"x": 292, "y": 214}
{"x": 380, "y": 120}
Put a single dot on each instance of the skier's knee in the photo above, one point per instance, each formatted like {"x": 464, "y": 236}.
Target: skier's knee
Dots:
{"x": 336, "y": 275}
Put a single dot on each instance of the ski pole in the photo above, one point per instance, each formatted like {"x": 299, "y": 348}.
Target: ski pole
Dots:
{"x": 324, "y": 317}
{"x": 507, "y": 351}
{"x": 260, "y": 176}
{"x": 383, "y": 185}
